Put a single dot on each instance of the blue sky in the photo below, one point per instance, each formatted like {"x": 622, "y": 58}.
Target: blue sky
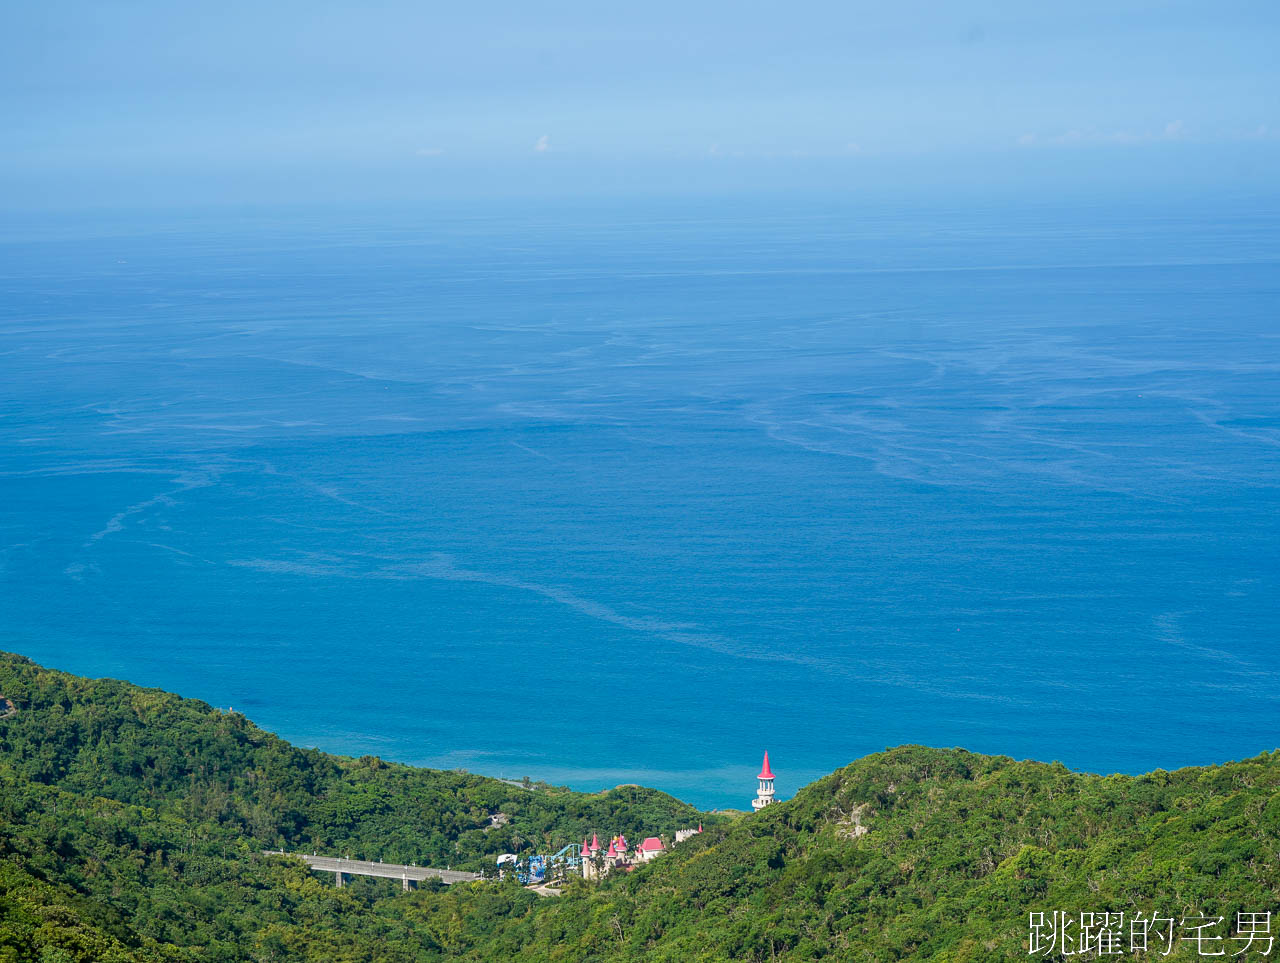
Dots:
{"x": 141, "y": 101}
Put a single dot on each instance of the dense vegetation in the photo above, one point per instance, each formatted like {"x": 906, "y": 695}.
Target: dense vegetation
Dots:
{"x": 105, "y": 738}
{"x": 133, "y": 820}
{"x": 145, "y": 812}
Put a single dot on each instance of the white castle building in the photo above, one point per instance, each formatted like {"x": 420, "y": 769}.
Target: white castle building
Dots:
{"x": 683, "y": 834}
{"x": 596, "y": 861}
{"x": 764, "y": 792}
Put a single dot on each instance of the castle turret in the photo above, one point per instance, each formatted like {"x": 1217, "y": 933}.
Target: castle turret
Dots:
{"x": 764, "y": 792}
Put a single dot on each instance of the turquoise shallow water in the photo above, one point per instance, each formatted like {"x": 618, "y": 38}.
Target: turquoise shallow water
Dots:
{"x": 631, "y": 494}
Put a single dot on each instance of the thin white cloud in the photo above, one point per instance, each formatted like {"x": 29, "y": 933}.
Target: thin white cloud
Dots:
{"x": 1261, "y": 132}
{"x": 542, "y": 144}
{"x": 1173, "y": 129}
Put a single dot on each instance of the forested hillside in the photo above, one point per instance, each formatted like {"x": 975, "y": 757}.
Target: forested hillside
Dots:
{"x": 933, "y": 854}
{"x": 146, "y": 747}
{"x": 133, "y": 820}
{"x": 140, "y": 815}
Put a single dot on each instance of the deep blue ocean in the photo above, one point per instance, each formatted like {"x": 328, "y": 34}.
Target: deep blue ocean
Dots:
{"x": 633, "y": 492}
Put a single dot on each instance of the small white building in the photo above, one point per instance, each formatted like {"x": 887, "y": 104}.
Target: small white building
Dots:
{"x": 764, "y": 791}
{"x": 649, "y": 849}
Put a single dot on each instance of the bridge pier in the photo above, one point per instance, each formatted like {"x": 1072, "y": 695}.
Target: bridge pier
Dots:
{"x": 337, "y": 879}
{"x": 404, "y": 884}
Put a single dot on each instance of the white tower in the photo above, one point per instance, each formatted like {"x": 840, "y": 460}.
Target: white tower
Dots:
{"x": 764, "y": 794}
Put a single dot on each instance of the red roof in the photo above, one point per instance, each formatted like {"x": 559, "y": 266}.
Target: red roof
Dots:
{"x": 651, "y": 845}
{"x": 585, "y": 851}
{"x": 766, "y": 772}
{"x": 595, "y": 842}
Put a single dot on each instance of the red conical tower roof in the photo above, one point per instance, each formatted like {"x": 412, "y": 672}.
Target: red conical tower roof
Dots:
{"x": 765, "y": 771}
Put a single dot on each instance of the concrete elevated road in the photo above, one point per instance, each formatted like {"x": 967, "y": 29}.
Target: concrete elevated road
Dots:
{"x": 363, "y": 867}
